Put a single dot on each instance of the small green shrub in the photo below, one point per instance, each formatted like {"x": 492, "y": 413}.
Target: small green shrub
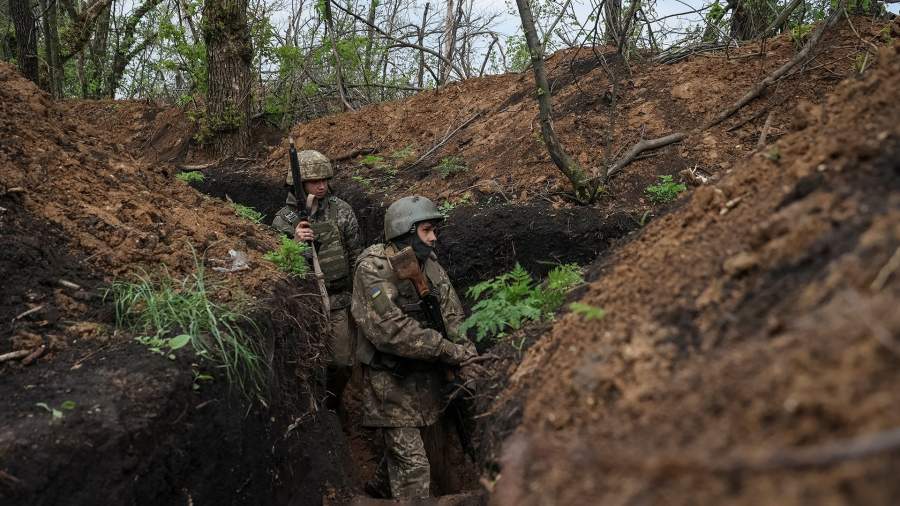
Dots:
{"x": 403, "y": 154}
{"x": 364, "y": 182}
{"x": 168, "y": 314}
{"x": 190, "y": 177}
{"x": 511, "y": 299}
{"x": 666, "y": 190}
{"x": 247, "y": 212}
{"x": 373, "y": 161}
{"x": 587, "y": 311}
{"x": 451, "y": 165}
{"x": 289, "y": 257}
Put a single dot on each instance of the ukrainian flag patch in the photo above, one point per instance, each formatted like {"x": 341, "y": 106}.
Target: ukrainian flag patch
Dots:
{"x": 374, "y": 292}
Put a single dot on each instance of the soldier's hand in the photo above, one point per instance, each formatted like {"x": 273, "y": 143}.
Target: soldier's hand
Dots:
{"x": 303, "y": 233}
{"x": 454, "y": 354}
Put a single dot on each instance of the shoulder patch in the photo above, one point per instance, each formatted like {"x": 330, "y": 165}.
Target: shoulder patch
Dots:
{"x": 375, "y": 292}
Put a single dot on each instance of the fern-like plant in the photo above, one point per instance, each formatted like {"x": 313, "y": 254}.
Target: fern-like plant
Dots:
{"x": 511, "y": 299}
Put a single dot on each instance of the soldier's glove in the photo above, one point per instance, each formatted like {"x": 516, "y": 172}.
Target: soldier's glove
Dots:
{"x": 454, "y": 354}
{"x": 470, "y": 374}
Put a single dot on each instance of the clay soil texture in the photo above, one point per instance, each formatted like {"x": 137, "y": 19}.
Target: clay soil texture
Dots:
{"x": 88, "y": 415}
{"x": 750, "y": 352}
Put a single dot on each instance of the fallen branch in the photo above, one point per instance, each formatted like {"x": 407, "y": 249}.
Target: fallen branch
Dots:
{"x": 34, "y": 355}
{"x": 30, "y": 311}
{"x": 822, "y": 455}
{"x": 444, "y": 140}
{"x": 761, "y": 86}
{"x": 765, "y": 131}
{"x": 198, "y": 167}
{"x": 353, "y": 154}
{"x": 642, "y": 146}
{"x": 13, "y": 355}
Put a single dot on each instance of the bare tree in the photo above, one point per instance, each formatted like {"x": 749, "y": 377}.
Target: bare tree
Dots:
{"x": 558, "y": 154}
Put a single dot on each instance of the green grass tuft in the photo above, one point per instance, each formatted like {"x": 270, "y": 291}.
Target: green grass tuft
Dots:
{"x": 169, "y": 313}
{"x": 190, "y": 177}
{"x": 247, "y": 212}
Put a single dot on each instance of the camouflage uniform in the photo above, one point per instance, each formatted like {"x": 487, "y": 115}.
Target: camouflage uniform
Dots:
{"x": 338, "y": 244}
{"x": 398, "y": 353}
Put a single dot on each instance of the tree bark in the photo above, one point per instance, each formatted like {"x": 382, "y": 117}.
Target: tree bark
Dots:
{"x": 545, "y": 108}
{"x": 420, "y": 77}
{"x": 229, "y": 56}
{"x": 26, "y": 37}
{"x": 612, "y": 20}
{"x": 449, "y": 39}
{"x": 338, "y": 76}
{"x": 51, "y": 42}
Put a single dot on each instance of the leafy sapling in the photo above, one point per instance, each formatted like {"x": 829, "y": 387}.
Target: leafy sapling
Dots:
{"x": 666, "y": 190}
{"x": 289, "y": 257}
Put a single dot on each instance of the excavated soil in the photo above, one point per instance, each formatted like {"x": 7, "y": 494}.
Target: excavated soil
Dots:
{"x": 505, "y": 158}
{"x": 79, "y": 208}
{"x": 750, "y": 336}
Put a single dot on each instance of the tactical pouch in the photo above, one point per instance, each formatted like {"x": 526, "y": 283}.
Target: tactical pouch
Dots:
{"x": 332, "y": 256}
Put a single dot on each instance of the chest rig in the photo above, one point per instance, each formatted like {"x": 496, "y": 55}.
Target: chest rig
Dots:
{"x": 330, "y": 247}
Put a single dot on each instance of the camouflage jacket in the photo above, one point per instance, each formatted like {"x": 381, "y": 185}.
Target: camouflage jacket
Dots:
{"x": 338, "y": 242}
{"x": 398, "y": 351}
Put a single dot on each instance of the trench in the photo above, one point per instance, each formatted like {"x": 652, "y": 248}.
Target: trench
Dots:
{"x": 475, "y": 243}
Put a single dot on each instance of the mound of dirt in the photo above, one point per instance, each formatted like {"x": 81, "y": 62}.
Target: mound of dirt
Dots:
{"x": 77, "y": 210}
{"x": 750, "y": 341}
{"x": 501, "y": 148}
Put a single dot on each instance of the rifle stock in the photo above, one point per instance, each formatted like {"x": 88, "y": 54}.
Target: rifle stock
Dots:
{"x": 406, "y": 266}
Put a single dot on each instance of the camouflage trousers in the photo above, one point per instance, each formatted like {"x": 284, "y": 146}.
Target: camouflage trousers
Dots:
{"x": 405, "y": 464}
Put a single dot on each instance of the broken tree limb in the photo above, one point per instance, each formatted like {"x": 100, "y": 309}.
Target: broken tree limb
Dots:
{"x": 13, "y": 355}
{"x": 765, "y": 131}
{"x": 782, "y": 17}
{"x": 761, "y": 86}
{"x": 444, "y": 140}
{"x": 642, "y": 146}
{"x": 353, "y": 154}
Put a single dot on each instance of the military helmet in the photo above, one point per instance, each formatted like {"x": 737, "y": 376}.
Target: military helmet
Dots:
{"x": 313, "y": 165}
{"x": 406, "y": 212}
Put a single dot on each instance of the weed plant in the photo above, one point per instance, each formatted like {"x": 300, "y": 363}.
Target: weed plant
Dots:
{"x": 247, "y": 212}
{"x": 289, "y": 257}
{"x": 666, "y": 190}
{"x": 511, "y": 299}
{"x": 451, "y": 165}
{"x": 190, "y": 177}
{"x": 162, "y": 307}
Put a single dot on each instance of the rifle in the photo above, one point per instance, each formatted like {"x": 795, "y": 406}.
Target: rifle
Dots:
{"x": 406, "y": 266}
{"x": 304, "y": 204}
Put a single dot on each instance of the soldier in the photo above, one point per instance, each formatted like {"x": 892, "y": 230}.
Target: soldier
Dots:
{"x": 400, "y": 354}
{"x": 333, "y": 227}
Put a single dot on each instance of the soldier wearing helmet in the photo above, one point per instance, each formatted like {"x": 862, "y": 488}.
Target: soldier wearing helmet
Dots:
{"x": 400, "y": 355}
{"x": 335, "y": 232}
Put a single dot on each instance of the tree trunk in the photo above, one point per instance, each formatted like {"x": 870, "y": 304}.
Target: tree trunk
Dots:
{"x": 545, "y": 107}
{"x": 748, "y": 19}
{"x": 338, "y": 75}
{"x": 51, "y": 41}
{"x": 98, "y": 49}
{"x": 229, "y": 56}
{"x": 449, "y": 39}
{"x": 26, "y": 37}
{"x": 420, "y": 77}
{"x": 370, "y": 37}
{"x": 612, "y": 20}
